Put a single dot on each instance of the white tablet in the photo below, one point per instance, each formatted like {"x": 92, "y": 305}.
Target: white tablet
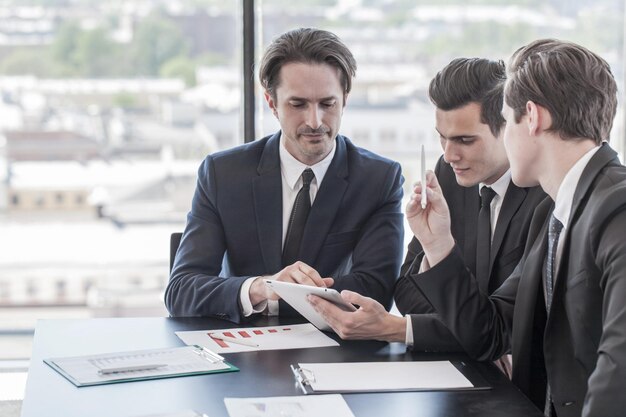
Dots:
{"x": 296, "y": 296}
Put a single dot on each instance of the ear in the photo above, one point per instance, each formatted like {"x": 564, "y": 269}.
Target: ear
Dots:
{"x": 271, "y": 103}
{"x": 539, "y": 118}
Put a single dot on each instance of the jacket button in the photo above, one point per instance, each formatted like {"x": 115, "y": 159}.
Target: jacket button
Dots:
{"x": 568, "y": 403}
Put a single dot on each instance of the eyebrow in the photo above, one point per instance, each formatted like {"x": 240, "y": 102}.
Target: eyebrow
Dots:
{"x": 295, "y": 98}
{"x": 456, "y": 137}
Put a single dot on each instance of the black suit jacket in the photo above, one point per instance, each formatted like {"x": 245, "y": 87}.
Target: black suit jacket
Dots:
{"x": 507, "y": 245}
{"x": 581, "y": 344}
{"x": 234, "y": 228}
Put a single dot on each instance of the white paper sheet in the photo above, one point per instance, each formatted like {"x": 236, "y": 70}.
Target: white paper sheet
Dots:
{"x": 383, "y": 376}
{"x": 318, "y": 406}
{"x": 295, "y": 336}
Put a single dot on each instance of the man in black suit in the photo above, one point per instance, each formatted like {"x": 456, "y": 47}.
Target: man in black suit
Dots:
{"x": 467, "y": 94}
{"x": 303, "y": 205}
{"x": 562, "y": 311}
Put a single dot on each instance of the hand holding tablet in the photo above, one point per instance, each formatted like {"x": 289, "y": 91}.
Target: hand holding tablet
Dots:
{"x": 296, "y": 296}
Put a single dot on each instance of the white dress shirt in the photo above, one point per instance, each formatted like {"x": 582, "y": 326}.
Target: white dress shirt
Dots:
{"x": 499, "y": 187}
{"x": 565, "y": 199}
{"x": 291, "y": 173}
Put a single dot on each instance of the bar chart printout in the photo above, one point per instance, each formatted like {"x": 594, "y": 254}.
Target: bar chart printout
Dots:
{"x": 297, "y": 336}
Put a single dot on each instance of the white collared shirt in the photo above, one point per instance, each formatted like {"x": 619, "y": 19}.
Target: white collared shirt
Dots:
{"x": 565, "y": 198}
{"x": 291, "y": 173}
{"x": 499, "y": 187}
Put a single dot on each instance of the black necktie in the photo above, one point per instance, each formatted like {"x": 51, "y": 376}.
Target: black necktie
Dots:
{"x": 554, "y": 231}
{"x": 483, "y": 237}
{"x": 297, "y": 220}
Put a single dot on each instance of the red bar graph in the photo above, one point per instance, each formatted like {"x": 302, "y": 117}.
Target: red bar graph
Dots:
{"x": 244, "y": 334}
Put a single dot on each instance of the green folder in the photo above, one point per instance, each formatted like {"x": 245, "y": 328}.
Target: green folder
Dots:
{"x": 139, "y": 365}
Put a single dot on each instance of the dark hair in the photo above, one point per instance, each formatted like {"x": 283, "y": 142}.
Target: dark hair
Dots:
{"x": 468, "y": 80}
{"x": 575, "y": 85}
{"x": 306, "y": 45}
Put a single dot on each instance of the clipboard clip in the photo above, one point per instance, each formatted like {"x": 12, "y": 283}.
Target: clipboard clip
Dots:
{"x": 304, "y": 377}
{"x": 207, "y": 354}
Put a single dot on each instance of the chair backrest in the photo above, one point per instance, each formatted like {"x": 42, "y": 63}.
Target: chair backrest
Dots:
{"x": 174, "y": 244}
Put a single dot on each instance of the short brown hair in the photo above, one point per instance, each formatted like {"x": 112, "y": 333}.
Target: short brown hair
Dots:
{"x": 471, "y": 80}
{"x": 306, "y": 45}
{"x": 574, "y": 84}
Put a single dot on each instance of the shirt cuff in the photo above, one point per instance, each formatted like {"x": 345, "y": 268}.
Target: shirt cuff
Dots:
{"x": 246, "y": 304}
{"x": 272, "y": 307}
{"x": 408, "y": 340}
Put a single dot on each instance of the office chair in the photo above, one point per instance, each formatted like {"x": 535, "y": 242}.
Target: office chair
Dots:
{"x": 174, "y": 244}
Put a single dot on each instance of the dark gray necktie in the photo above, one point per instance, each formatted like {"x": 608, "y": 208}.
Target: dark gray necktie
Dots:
{"x": 483, "y": 236}
{"x": 554, "y": 231}
{"x": 297, "y": 220}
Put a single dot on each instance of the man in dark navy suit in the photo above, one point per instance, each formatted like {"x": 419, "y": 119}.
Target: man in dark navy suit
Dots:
{"x": 303, "y": 205}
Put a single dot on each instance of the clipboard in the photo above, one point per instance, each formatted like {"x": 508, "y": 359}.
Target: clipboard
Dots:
{"x": 362, "y": 377}
{"x": 84, "y": 371}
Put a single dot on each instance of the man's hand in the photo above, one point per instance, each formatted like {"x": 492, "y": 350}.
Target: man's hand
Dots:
{"x": 431, "y": 226}
{"x": 370, "y": 321}
{"x": 298, "y": 273}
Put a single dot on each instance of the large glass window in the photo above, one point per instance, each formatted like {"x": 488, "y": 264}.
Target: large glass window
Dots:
{"x": 107, "y": 108}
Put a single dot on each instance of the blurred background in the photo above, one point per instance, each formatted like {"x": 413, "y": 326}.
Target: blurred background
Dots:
{"x": 107, "y": 108}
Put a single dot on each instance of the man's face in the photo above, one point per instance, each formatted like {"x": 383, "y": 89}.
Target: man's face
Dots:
{"x": 309, "y": 104}
{"x": 521, "y": 149}
{"x": 474, "y": 153}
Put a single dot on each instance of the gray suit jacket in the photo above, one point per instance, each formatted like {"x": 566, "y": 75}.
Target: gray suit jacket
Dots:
{"x": 581, "y": 345}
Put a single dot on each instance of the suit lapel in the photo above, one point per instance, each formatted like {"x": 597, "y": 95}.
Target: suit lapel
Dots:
{"x": 326, "y": 204}
{"x": 268, "y": 205}
{"x": 602, "y": 157}
{"x": 513, "y": 199}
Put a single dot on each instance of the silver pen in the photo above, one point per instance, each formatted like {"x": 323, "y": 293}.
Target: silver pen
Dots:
{"x": 130, "y": 368}
{"x": 424, "y": 199}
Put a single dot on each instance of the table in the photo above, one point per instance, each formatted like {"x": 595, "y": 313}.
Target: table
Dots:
{"x": 262, "y": 374}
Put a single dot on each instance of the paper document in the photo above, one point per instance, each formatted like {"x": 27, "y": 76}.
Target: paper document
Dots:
{"x": 380, "y": 376}
{"x": 295, "y": 336}
{"x": 138, "y": 365}
{"x": 319, "y": 406}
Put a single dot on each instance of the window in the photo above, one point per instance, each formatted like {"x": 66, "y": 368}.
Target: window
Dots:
{"x": 108, "y": 108}
{"x": 117, "y": 147}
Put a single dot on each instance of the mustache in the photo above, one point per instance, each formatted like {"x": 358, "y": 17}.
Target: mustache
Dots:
{"x": 310, "y": 131}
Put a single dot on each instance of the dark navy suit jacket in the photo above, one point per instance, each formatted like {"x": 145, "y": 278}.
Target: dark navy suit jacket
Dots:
{"x": 354, "y": 232}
